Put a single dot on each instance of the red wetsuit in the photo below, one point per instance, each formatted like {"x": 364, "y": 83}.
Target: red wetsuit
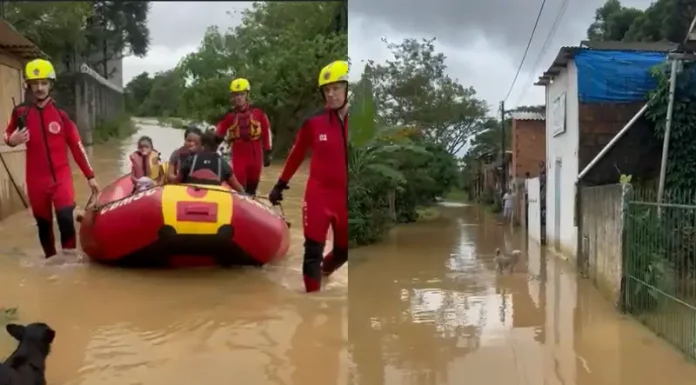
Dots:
{"x": 249, "y": 133}
{"x": 48, "y": 175}
{"x": 325, "y": 200}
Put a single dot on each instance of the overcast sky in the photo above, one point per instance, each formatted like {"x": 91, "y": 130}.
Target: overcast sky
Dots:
{"x": 177, "y": 29}
{"x": 483, "y": 40}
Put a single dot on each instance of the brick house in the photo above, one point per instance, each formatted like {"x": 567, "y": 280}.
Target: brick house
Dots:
{"x": 528, "y": 143}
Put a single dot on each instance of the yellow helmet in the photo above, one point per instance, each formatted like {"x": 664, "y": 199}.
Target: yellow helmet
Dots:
{"x": 334, "y": 73}
{"x": 240, "y": 85}
{"x": 39, "y": 69}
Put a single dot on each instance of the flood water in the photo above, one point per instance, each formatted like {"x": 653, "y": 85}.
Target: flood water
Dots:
{"x": 427, "y": 308}
{"x": 424, "y": 308}
{"x": 206, "y": 326}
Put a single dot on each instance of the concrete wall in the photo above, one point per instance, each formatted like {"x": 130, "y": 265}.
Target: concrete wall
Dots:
{"x": 533, "y": 210}
{"x": 89, "y": 100}
{"x": 602, "y": 237}
{"x": 528, "y": 147}
{"x": 562, "y": 151}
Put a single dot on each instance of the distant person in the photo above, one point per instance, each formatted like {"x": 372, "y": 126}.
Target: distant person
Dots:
{"x": 326, "y": 197}
{"x": 192, "y": 142}
{"x": 48, "y": 134}
{"x": 146, "y": 166}
{"x": 247, "y": 130}
{"x": 508, "y": 198}
{"x": 207, "y": 166}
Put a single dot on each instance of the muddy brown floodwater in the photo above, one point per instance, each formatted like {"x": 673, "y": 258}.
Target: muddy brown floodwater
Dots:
{"x": 426, "y": 308}
{"x": 208, "y": 326}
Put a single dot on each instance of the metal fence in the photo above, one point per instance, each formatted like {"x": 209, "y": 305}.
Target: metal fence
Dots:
{"x": 659, "y": 272}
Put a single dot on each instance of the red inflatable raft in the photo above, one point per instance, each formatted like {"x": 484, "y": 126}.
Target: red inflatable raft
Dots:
{"x": 181, "y": 226}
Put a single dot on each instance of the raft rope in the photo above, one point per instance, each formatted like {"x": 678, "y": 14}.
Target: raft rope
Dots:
{"x": 96, "y": 207}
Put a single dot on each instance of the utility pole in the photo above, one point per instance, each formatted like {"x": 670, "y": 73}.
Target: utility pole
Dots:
{"x": 503, "y": 185}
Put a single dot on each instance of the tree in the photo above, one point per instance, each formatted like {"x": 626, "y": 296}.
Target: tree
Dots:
{"x": 165, "y": 94}
{"x": 137, "y": 91}
{"x": 74, "y": 32}
{"x": 663, "y": 20}
{"x": 280, "y": 47}
{"x": 413, "y": 89}
{"x": 116, "y": 29}
{"x": 57, "y": 28}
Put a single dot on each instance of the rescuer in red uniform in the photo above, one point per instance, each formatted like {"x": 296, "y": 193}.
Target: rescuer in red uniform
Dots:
{"x": 248, "y": 131}
{"x": 48, "y": 133}
{"x": 325, "y": 200}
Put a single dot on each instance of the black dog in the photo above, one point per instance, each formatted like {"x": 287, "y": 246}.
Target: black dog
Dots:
{"x": 27, "y": 364}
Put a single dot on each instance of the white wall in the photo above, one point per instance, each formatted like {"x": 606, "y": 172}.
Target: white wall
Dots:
{"x": 533, "y": 210}
{"x": 563, "y": 147}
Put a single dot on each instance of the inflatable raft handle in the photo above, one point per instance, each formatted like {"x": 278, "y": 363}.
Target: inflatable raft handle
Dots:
{"x": 280, "y": 206}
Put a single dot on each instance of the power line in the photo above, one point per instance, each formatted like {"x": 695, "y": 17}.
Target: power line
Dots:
{"x": 529, "y": 43}
{"x": 544, "y": 49}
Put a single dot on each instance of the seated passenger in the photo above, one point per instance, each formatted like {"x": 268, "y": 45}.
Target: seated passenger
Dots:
{"x": 146, "y": 168}
{"x": 207, "y": 166}
{"x": 192, "y": 142}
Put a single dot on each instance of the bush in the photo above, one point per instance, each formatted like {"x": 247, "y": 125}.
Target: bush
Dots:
{"x": 117, "y": 128}
{"x": 383, "y": 166}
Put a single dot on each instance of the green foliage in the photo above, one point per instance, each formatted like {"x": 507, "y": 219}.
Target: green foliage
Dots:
{"x": 74, "y": 32}
{"x": 413, "y": 89}
{"x": 157, "y": 96}
{"x": 390, "y": 174}
{"x": 280, "y": 47}
{"x": 681, "y": 161}
{"x": 663, "y": 20}
{"x": 118, "y": 128}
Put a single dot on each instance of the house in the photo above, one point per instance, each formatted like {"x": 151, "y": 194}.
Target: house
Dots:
{"x": 15, "y": 51}
{"x": 592, "y": 91}
{"x": 528, "y": 143}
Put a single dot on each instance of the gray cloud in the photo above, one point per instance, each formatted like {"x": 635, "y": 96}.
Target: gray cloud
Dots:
{"x": 176, "y": 24}
{"x": 483, "y": 40}
{"x": 176, "y": 29}
{"x": 504, "y": 23}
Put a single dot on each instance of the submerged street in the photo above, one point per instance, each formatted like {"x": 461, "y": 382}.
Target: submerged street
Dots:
{"x": 424, "y": 308}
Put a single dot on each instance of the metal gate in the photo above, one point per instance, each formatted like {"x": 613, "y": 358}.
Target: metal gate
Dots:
{"x": 659, "y": 280}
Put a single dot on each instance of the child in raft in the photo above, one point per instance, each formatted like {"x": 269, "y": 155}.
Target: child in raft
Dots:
{"x": 146, "y": 166}
{"x": 146, "y": 169}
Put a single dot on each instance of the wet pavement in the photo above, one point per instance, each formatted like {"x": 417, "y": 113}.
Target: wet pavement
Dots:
{"x": 426, "y": 307}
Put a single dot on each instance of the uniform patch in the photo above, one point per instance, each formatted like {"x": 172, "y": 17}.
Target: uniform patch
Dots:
{"x": 54, "y": 127}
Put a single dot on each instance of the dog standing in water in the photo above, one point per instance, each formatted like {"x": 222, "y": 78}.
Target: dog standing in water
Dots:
{"x": 506, "y": 261}
{"x": 27, "y": 364}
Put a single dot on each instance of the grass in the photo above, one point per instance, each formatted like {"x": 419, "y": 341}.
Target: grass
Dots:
{"x": 118, "y": 128}
{"x": 456, "y": 195}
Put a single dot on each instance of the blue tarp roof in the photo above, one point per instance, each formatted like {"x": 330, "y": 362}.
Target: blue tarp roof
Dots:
{"x": 615, "y": 76}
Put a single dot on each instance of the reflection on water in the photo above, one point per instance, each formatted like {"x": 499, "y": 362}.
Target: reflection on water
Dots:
{"x": 427, "y": 308}
{"x": 202, "y": 326}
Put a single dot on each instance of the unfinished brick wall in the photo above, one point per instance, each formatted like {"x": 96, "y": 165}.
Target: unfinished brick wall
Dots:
{"x": 528, "y": 147}
{"x": 637, "y": 153}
